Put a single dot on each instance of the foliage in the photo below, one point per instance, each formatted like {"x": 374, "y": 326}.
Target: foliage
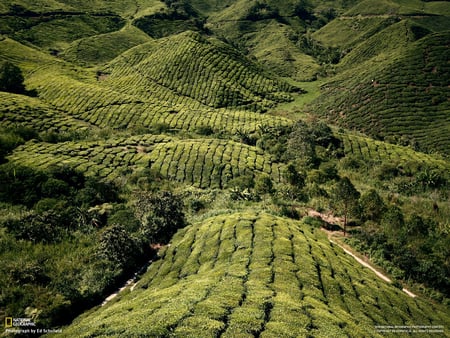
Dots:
{"x": 205, "y": 103}
{"x": 53, "y": 242}
{"x": 244, "y": 274}
{"x": 386, "y": 97}
{"x": 118, "y": 247}
{"x": 345, "y": 199}
{"x": 262, "y": 11}
{"x": 11, "y": 78}
{"x": 372, "y": 206}
{"x": 161, "y": 215}
{"x": 263, "y": 185}
{"x": 301, "y": 144}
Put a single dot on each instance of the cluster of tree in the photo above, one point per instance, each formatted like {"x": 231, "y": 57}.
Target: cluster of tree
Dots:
{"x": 407, "y": 178}
{"x": 68, "y": 240}
{"x": 179, "y": 17}
{"x": 411, "y": 247}
{"x": 262, "y": 11}
{"x": 11, "y": 78}
{"x": 312, "y": 143}
{"x": 10, "y": 138}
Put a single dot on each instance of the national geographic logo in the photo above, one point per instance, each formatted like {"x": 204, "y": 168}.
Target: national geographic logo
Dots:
{"x": 18, "y": 322}
{"x": 8, "y": 322}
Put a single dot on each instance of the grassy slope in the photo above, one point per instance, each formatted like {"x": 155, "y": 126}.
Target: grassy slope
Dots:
{"x": 241, "y": 273}
{"x": 103, "y": 48}
{"x": 253, "y": 274}
{"x": 271, "y": 46}
{"x": 382, "y": 152}
{"x": 148, "y": 91}
{"x": 31, "y": 112}
{"x": 207, "y": 71}
{"x": 266, "y": 40}
{"x": 123, "y": 7}
{"x": 395, "y": 37}
{"x": 388, "y": 96}
{"x": 205, "y": 163}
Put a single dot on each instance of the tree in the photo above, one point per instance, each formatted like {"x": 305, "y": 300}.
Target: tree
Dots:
{"x": 301, "y": 144}
{"x": 263, "y": 184}
{"x": 345, "y": 199}
{"x": 372, "y": 206}
{"x": 393, "y": 224}
{"x": 303, "y": 9}
{"x": 118, "y": 247}
{"x": 161, "y": 215}
{"x": 293, "y": 177}
{"x": 11, "y": 78}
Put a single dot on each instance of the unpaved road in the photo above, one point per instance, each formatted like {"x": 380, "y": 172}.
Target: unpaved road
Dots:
{"x": 336, "y": 220}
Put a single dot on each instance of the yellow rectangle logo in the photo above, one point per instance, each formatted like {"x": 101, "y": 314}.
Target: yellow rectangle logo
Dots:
{"x": 8, "y": 322}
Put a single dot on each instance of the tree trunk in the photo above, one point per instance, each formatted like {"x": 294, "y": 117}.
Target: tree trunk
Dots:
{"x": 345, "y": 221}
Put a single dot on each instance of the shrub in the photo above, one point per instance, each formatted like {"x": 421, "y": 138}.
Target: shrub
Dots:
{"x": 264, "y": 184}
{"x": 161, "y": 215}
{"x": 11, "y": 78}
{"x": 118, "y": 247}
{"x": 372, "y": 206}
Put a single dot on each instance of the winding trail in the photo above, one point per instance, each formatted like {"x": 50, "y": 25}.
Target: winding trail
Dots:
{"x": 348, "y": 250}
{"x": 367, "y": 265}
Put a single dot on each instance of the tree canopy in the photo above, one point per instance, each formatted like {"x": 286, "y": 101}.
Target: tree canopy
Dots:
{"x": 11, "y": 78}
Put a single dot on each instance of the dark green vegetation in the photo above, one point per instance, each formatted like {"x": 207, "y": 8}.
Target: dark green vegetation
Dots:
{"x": 68, "y": 240}
{"x": 230, "y": 123}
{"x": 401, "y": 100}
{"x": 254, "y": 274}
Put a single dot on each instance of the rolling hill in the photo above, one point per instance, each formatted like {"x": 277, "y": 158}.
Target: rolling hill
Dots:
{"x": 253, "y": 274}
{"x": 205, "y": 163}
{"x": 208, "y": 100}
{"x": 403, "y": 95}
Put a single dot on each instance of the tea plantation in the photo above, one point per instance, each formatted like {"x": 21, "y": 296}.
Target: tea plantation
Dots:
{"x": 254, "y": 274}
{"x": 218, "y": 156}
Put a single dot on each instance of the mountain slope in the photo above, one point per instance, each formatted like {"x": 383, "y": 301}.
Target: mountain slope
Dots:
{"x": 254, "y": 274}
{"x": 205, "y": 70}
{"x": 405, "y": 96}
{"x": 204, "y": 163}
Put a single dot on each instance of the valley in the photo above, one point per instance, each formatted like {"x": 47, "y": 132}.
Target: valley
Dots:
{"x": 210, "y": 139}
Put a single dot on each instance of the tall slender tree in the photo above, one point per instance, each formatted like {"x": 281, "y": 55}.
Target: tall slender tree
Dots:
{"x": 345, "y": 199}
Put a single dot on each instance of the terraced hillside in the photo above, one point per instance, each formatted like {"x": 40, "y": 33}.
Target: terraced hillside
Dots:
{"x": 140, "y": 93}
{"x": 190, "y": 108}
{"x": 382, "y": 152}
{"x": 31, "y": 112}
{"x": 207, "y": 71}
{"x": 253, "y": 274}
{"x": 405, "y": 97}
{"x": 205, "y": 163}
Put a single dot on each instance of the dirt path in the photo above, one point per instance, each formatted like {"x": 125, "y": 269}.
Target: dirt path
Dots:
{"x": 133, "y": 280}
{"x": 364, "y": 262}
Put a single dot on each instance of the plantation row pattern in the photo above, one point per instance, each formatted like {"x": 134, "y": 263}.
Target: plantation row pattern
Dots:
{"x": 408, "y": 96}
{"x": 19, "y": 110}
{"x": 205, "y": 70}
{"x": 202, "y": 163}
{"x": 256, "y": 275}
{"x": 102, "y": 106}
{"x": 382, "y": 152}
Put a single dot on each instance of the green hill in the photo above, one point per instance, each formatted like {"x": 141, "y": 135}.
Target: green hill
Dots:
{"x": 30, "y": 112}
{"x": 204, "y": 163}
{"x": 253, "y": 274}
{"x": 207, "y": 71}
{"x": 403, "y": 96}
{"x": 103, "y": 48}
{"x": 131, "y": 112}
